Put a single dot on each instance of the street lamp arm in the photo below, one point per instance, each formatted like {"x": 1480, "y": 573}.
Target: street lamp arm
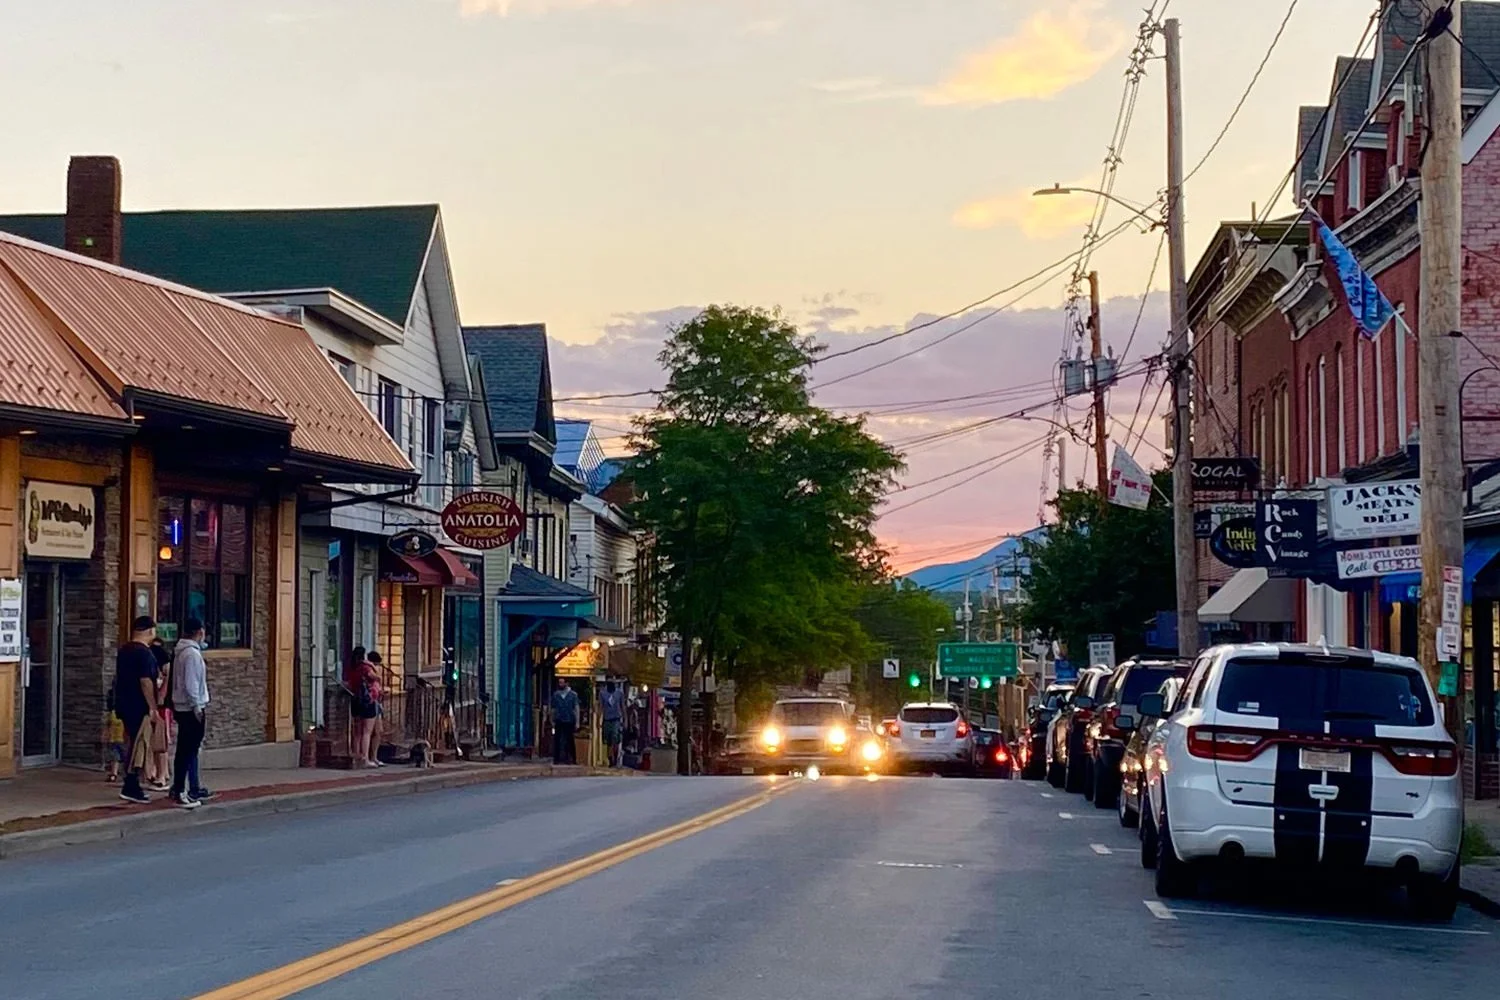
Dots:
{"x": 1139, "y": 212}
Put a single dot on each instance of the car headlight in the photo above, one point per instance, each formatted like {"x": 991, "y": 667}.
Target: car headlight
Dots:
{"x": 837, "y": 736}
{"x": 871, "y": 750}
{"x": 770, "y": 737}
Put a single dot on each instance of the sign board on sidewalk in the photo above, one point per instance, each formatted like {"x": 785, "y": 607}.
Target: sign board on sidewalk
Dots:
{"x": 979, "y": 659}
{"x": 1217, "y": 475}
{"x": 1379, "y": 560}
{"x": 11, "y": 638}
{"x": 1375, "y": 510}
{"x": 1102, "y": 650}
{"x": 890, "y": 668}
{"x": 1286, "y": 533}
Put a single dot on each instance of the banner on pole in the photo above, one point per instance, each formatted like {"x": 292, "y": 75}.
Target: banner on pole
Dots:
{"x": 1129, "y": 484}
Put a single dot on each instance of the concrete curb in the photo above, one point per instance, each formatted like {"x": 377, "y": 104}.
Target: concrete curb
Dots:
{"x": 1480, "y": 903}
{"x": 138, "y": 824}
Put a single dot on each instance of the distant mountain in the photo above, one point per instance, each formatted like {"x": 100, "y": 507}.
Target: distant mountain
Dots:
{"x": 951, "y": 576}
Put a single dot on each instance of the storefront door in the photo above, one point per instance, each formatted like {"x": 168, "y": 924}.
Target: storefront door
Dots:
{"x": 41, "y": 675}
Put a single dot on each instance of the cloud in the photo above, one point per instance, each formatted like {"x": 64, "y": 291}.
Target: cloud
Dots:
{"x": 849, "y": 85}
{"x": 1037, "y": 218}
{"x": 505, "y": 8}
{"x": 763, "y": 26}
{"x": 1053, "y": 50}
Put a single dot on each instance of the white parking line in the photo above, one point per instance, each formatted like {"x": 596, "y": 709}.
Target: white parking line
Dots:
{"x": 1100, "y": 849}
{"x": 1064, "y": 815}
{"x": 1159, "y": 910}
{"x": 1283, "y": 918}
{"x": 911, "y": 864}
{"x": 1046, "y": 795}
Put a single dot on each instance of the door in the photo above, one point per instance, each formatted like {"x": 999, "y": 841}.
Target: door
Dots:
{"x": 317, "y": 590}
{"x": 41, "y": 674}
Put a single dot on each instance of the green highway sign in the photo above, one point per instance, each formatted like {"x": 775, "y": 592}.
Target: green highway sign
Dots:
{"x": 979, "y": 659}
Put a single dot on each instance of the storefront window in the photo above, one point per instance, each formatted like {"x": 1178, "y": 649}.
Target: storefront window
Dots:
{"x": 203, "y": 569}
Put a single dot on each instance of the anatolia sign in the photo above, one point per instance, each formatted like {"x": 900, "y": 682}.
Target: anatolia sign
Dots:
{"x": 1375, "y": 510}
{"x": 483, "y": 520}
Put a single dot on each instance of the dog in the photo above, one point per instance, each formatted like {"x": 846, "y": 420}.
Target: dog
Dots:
{"x": 421, "y": 754}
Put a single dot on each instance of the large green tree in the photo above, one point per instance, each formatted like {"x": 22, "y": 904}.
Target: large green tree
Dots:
{"x": 903, "y": 622}
{"x": 1103, "y": 569}
{"x": 761, "y": 505}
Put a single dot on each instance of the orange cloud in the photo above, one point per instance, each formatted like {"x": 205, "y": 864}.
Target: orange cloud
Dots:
{"x": 504, "y": 8}
{"x": 1050, "y": 53}
{"x": 1038, "y": 218}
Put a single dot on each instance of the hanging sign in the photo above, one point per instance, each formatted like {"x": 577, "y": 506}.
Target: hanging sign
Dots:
{"x": 10, "y": 622}
{"x": 1221, "y": 475}
{"x": 1286, "y": 533}
{"x": 483, "y": 520}
{"x": 59, "y": 521}
{"x": 1207, "y": 520}
{"x": 413, "y": 543}
{"x": 1129, "y": 484}
{"x": 1379, "y": 561}
{"x": 1234, "y": 543}
{"x": 1375, "y": 510}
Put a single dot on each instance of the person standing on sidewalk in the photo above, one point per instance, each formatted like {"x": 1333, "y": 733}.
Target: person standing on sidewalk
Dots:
{"x": 612, "y": 712}
{"x": 135, "y": 702}
{"x": 190, "y": 701}
{"x": 564, "y": 723}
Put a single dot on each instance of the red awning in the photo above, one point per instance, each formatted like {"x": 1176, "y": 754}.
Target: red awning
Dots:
{"x": 416, "y": 572}
{"x": 459, "y": 575}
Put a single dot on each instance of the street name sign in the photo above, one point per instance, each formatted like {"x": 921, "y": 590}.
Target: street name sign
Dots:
{"x": 979, "y": 659}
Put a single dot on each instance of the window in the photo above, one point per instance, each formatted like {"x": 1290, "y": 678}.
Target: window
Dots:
{"x": 1312, "y": 429}
{"x": 1320, "y": 688}
{"x": 204, "y": 569}
{"x": 1379, "y": 349}
{"x": 1343, "y": 439}
{"x": 432, "y": 452}
{"x": 1359, "y": 400}
{"x": 1322, "y": 416}
{"x": 344, "y": 367}
{"x": 391, "y": 408}
{"x": 463, "y": 470}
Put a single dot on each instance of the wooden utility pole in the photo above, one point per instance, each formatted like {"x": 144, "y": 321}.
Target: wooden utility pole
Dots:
{"x": 1439, "y": 324}
{"x": 1101, "y": 432}
{"x": 1179, "y": 357}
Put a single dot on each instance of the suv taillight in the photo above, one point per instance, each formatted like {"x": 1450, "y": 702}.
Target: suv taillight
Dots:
{"x": 1225, "y": 744}
{"x": 962, "y": 730}
{"x": 893, "y": 730}
{"x": 1001, "y": 756}
{"x": 1438, "y": 760}
{"x": 1107, "y": 722}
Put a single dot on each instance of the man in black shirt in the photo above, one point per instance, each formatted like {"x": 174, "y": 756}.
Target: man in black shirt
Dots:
{"x": 135, "y": 697}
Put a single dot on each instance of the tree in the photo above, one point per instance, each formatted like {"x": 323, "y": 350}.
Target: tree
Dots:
{"x": 903, "y": 621}
{"x": 760, "y": 504}
{"x": 1102, "y": 568}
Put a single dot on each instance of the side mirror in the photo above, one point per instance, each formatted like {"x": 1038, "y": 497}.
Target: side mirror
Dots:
{"x": 1082, "y": 701}
{"x": 1125, "y": 723}
{"x": 1152, "y": 705}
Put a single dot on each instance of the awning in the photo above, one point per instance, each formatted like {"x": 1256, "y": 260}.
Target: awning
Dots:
{"x": 413, "y": 571}
{"x": 1478, "y": 553}
{"x": 1251, "y": 595}
{"x": 458, "y": 574}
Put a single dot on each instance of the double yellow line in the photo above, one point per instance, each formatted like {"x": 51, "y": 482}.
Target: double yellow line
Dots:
{"x": 315, "y": 969}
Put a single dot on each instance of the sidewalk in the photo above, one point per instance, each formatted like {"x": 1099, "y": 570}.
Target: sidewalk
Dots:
{"x": 55, "y": 807}
{"x": 1481, "y": 876}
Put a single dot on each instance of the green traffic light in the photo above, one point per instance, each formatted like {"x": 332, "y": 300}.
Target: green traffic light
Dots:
{"x": 985, "y": 683}
{"x": 912, "y": 680}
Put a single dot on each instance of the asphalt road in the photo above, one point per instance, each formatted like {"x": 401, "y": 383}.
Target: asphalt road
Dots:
{"x": 902, "y": 888}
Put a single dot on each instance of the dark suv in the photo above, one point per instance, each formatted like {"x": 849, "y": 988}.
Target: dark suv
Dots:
{"x": 1104, "y": 743}
{"x": 1066, "y": 760}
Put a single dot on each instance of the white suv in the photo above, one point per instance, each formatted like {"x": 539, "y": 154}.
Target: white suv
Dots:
{"x": 1305, "y": 755}
{"x": 931, "y": 736}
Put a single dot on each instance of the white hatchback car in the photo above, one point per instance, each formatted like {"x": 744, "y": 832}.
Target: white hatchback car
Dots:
{"x": 931, "y": 736}
{"x": 1305, "y": 755}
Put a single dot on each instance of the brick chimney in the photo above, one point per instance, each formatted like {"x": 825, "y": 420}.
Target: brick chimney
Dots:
{"x": 93, "y": 227}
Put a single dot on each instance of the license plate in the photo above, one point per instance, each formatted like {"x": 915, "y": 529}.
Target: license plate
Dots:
{"x": 747, "y": 770}
{"x": 1324, "y": 760}
{"x": 928, "y": 734}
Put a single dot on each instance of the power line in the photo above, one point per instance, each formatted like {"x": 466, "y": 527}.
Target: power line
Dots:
{"x": 1000, "y": 460}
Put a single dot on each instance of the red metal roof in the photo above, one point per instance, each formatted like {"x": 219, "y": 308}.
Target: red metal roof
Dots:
{"x": 36, "y": 367}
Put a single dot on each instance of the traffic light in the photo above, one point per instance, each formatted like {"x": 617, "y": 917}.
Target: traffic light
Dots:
{"x": 913, "y": 680}
{"x": 986, "y": 683}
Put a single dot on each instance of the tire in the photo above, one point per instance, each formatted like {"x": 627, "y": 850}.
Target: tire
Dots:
{"x": 1055, "y": 775}
{"x": 1433, "y": 898}
{"x": 1128, "y": 817}
{"x": 1073, "y": 776}
{"x": 1106, "y": 792}
{"x": 1148, "y": 839}
{"x": 1175, "y": 878}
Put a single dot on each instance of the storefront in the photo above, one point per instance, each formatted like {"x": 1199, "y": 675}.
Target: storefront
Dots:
{"x": 540, "y": 620}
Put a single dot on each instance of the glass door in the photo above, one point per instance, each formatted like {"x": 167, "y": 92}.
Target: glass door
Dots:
{"x": 41, "y": 673}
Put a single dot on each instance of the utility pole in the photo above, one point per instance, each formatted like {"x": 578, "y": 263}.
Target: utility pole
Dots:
{"x": 1179, "y": 357}
{"x": 1437, "y": 359}
{"x": 1101, "y": 433}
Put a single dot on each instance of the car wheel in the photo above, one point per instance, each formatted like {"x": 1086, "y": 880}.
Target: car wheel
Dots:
{"x": 1106, "y": 792}
{"x": 1054, "y": 774}
{"x": 1175, "y": 878}
{"x": 1434, "y": 898}
{"x": 1148, "y": 838}
{"x": 1073, "y": 776}
{"x": 1128, "y": 817}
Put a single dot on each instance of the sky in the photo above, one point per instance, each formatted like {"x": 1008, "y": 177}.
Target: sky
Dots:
{"x": 610, "y": 166}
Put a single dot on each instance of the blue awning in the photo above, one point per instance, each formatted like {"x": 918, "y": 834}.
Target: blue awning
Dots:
{"x": 1478, "y": 552}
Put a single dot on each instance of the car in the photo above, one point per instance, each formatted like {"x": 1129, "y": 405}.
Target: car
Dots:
{"x": 932, "y": 736}
{"x": 1315, "y": 757}
{"x": 1132, "y": 765}
{"x": 739, "y": 755}
{"x": 992, "y": 756}
{"x": 1033, "y": 742}
{"x": 812, "y": 732}
{"x": 1066, "y": 762}
{"x": 1103, "y": 740}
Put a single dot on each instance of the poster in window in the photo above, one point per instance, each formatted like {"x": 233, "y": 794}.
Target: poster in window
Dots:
{"x": 10, "y": 621}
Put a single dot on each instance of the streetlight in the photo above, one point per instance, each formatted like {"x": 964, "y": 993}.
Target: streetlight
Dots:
{"x": 1155, "y": 221}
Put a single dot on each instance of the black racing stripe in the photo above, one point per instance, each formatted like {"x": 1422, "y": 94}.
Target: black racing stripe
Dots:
{"x": 1297, "y": 814}
{"x": 1346, "y": 832}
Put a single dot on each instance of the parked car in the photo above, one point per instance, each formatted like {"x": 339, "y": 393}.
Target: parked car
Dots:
{"x": 931, "y": 736}
{"x": 1132, "y": 766}
{"x": 1033, "y": 740}
{"x": 1306, "y": 756}
{"x": 1066, "y": 761}
{"x": 1104, "y": 741}
{"x": 992, "y": 756}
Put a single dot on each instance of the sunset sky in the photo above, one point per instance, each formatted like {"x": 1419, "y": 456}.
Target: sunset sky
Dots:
{"x": 606, "y": 166}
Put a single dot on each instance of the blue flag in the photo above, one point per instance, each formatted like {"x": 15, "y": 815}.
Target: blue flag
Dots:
{"x": 1367, "y": 303}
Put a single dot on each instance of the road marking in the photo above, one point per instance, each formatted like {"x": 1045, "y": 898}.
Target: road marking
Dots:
{"x": 911, "y": 864}
{"x": 1159, "y": 910}
{"x": 328, "y": 965}
{"x": 1371, "y": 924}
{"x": 1064, "y": 815}
{"x": 1046, "y": 795}
{"x": 1100, "y": 849}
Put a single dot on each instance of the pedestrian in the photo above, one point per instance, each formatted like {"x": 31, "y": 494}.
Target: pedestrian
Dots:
{"x": 377, "y": 692}
{"x": 135, "y": 703}
{"x": 564, "y": 723}
{"x": 115, "y": 754}
{"x": 362, "y": 679}
{"x": 612, "y": 712}
{"x": 158, "y": 774}
{"x": 190, "y": 702}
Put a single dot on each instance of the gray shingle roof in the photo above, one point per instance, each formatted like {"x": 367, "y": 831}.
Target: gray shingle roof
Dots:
{"x": 518, "y": 377}
{"x": 1403, "y": 22}
{"x": 1310, "y": 122}
{"x": 527, "y": 582}
{"x": 1352, "y": 103}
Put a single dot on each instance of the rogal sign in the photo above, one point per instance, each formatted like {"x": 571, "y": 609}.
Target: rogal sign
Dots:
{"x": 1217, "y": 475}
{"x": 1375, "y": 510}
{"x": 483, "y": 520}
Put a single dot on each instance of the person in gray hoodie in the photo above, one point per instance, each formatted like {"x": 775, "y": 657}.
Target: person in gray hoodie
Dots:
{"x": 189, "y": 701}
